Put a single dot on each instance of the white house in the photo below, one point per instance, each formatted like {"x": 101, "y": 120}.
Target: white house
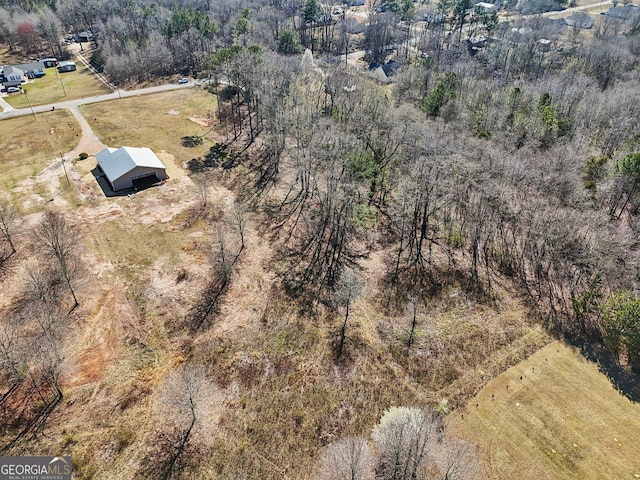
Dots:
{"x": 13, "y": 77}
{"x": 131, "y": 167}
{"x": 485, "y": 7}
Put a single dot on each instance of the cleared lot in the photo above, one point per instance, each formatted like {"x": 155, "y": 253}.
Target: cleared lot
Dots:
{"x": 29, "y": 145}
{"x": 554, "y": 416}
{"x": 160, "y": 121}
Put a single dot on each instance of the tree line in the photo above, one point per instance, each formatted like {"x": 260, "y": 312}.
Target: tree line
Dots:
{"x": 492, "y": 163}
{"x": 35, "y": 332}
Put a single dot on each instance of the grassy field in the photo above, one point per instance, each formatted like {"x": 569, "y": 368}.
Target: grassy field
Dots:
{"x": 29, "y": 145}
{"x": 160, "y": 121}
{"x": 554, "y": 416}
{"x": 49, "y": 89}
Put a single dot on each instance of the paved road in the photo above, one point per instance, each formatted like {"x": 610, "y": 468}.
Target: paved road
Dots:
{"x": 10, "y": 112}
{"x": 18, "y": 112}
{"x": 577, "y": 9}
{"x": 353, "y": 57}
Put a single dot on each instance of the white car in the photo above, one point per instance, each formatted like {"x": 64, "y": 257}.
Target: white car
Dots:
{"x": 183, "y": 80}
{"x": 13, "y": 89}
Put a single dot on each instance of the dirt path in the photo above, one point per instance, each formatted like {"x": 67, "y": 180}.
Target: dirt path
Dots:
{"x": 57, "y": 169}
{"x": 89, "y": 364}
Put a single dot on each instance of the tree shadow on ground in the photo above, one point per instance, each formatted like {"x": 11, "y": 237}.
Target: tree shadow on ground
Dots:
{"x": 622, "y": 378}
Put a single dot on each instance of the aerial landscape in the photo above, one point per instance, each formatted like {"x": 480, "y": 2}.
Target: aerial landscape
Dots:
{"x": 295, "y": 240}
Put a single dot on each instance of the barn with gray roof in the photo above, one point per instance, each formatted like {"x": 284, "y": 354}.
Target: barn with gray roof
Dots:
{"x": 131, "y": 167}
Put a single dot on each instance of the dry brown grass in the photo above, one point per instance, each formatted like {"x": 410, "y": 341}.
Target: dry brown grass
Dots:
{"x": 156, "y": 121}
{"x": 29, "y": 145}
{"x": 554, "y": 416}
{"x": 284, "y": 393}
{"x": 291, "y": 396}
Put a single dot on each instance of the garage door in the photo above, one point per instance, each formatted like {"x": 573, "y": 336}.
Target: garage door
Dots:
{"x": 145, "y": 182}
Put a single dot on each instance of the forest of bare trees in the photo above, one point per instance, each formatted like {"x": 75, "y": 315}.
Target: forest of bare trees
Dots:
{"x": 503, "y": 153}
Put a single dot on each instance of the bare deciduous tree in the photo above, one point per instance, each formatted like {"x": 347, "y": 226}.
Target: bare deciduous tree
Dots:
{"x": 8, "y": 224}
{"x": 202, "y": 186}
{"x": 32, "y": 349}
{"x": 227, "y": 246}
{"x": 12, "y": 362}
{"x": 59, "y": 242}
{"x": 183, "y": 395}
{"x": 347, "y": 459}
{"x": 415, "y": 299}
{"x": 41, "y": 284}
{"x": 456, "y": 460}
{"x": 402, "y": 438}
{"x": 345, "y": 292}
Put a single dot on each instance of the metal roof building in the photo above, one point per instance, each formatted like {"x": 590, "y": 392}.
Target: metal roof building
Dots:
{"x": 67, "y": 66}
{"x": 131, "y": 167}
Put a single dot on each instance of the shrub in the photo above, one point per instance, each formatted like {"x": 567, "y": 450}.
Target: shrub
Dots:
{"x": 83, "y": 156}
{"x": 182, "y": 275}
{"x": 191, "y": 141}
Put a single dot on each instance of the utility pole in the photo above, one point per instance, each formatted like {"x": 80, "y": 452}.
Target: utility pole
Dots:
{"x": 65, "y": 170}
{"x": 29, "y": 101}
{"x": 61, "y": 84}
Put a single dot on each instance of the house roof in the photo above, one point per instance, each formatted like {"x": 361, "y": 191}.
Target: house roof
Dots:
{"x": 622, "y": 12}
{"x": 118, "y": 162}
{"x": 10, "y": 70}
{"x": 30, "y": 66}
{"x": 66, "y": 63}
{"x": 485, "y": 5}
{"x": 390, "y": 68}
{"x": 580, "y": 19}
{"x": 379, "y": 74}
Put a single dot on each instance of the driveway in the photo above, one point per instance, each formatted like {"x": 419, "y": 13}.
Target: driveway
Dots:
{"x": 5, "y": 106}
{"x": 89, "y": 143}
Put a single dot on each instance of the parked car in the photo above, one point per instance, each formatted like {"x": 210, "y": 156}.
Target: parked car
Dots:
{"x": 183, "y": 80}
{"x": 13, "y": 89}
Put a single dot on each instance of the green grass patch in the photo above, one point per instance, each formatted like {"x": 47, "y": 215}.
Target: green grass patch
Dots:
{"x": 57, "y": 87}
{"x": 554, "y": 416}
{"x": 161, "y": 120}
{"x": 365, "y": 216}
